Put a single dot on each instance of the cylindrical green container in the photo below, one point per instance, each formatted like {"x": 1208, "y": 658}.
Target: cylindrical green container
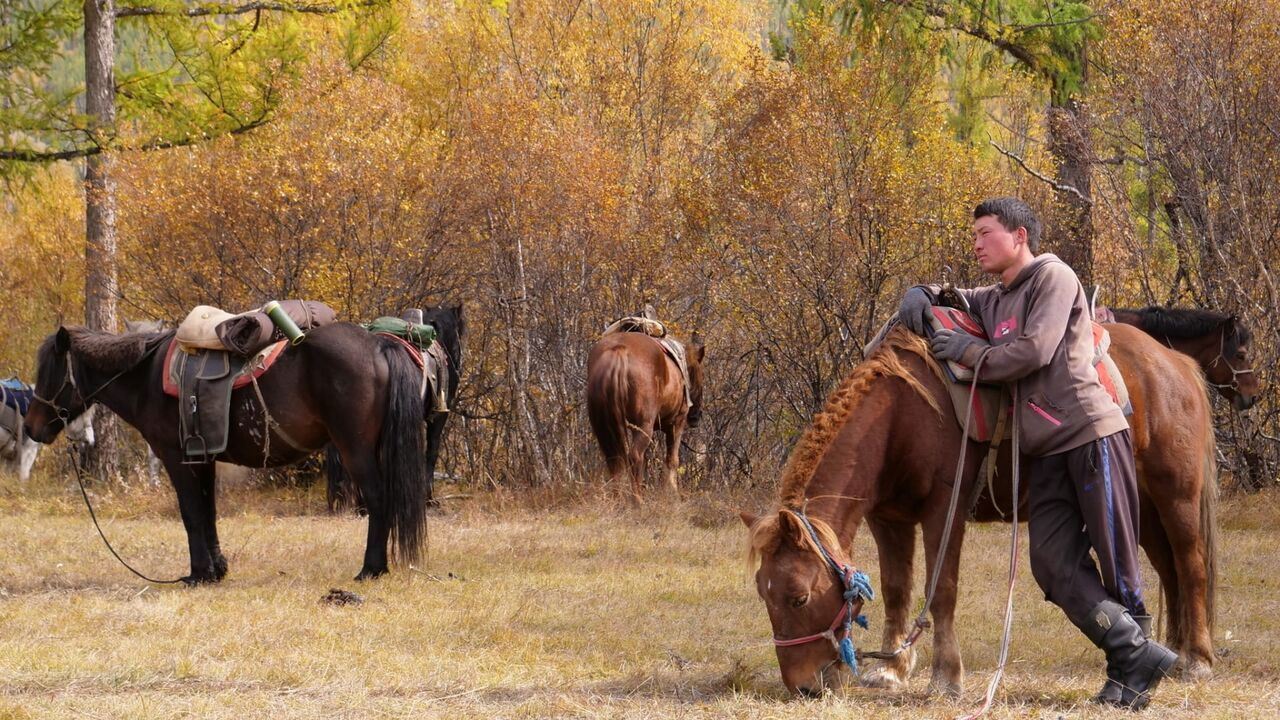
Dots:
{"x": 284, "y": 322}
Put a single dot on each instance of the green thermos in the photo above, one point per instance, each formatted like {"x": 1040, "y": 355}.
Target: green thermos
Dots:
{"x": 284, "y": 322}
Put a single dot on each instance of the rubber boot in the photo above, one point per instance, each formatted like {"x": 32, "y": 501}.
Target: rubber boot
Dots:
{"x": 1111, "y": 692}
{"x": 1134, "y": 663}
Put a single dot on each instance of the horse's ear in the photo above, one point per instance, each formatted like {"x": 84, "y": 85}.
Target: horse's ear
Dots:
{"x": 791, "y": 528}
{"x": 700, "y": 351}
{"x": 748, "y": 519}
{"x": 62, "y": 340}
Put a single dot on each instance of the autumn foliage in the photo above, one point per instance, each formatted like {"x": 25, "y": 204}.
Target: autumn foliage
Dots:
{"x": 554, "y": 164}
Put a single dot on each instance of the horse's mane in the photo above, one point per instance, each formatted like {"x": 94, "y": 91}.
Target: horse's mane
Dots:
{"x": 766, "y": 533}
{"x": 886, "y": 361}
{"x": 1185, "y": 323}
{"x": 102, "y": 351}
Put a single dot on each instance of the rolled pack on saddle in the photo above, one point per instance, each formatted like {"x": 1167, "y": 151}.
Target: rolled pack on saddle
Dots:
{"x": 657, "y": 331}
{"x": 419, "y": 339}
{"x": 215, "y": 352}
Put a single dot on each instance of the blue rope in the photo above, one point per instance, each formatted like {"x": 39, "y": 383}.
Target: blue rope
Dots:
{"x": 857, "y": 586}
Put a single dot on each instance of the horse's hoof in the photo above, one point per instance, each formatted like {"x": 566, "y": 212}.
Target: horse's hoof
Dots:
{"x": 194, "y": 580}
{"x": 1192, "y": 670}
{"x": 883, "y": 678}
{"x": 950, "y": 689}
{"x": 367, "y": 574}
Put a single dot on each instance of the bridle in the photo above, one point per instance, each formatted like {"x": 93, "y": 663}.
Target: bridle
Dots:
{"x": 1222, "y": 358}
{"x": 857, "y": 589}
{"x": 63, "y": 414}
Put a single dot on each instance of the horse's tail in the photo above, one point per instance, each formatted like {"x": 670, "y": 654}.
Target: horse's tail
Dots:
{"x": 607, "y": 408}
{"x": 339, "y": 490}
{"x": 402, "y": 467}
{"x": 1209, "y": 519}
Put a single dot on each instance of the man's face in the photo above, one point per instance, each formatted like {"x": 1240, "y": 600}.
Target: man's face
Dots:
{"x": 996, "y": 248}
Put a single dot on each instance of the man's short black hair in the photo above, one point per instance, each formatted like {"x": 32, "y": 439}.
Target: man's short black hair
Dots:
{"x": 1012, "y": 214}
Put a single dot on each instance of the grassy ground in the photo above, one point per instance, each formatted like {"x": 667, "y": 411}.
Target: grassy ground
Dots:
{"x": 580, "y": 610}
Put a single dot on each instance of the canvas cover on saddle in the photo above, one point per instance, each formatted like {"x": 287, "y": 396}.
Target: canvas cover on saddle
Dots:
{"x": 213, "y": 353}
{"x": 656, "y": 330}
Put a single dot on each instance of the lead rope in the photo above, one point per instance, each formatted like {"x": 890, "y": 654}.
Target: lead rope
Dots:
{"x": 922, "y": 620}
{"x": 75, "y": 463}
{"x": 1007, "y": 639}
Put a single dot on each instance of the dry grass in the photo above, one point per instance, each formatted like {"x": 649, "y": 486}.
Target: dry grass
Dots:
{"x": 583, "y": 611}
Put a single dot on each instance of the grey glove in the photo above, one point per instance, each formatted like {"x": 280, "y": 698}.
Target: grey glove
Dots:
{"x": 958, "y": 346}
{"x": 915, "y": 303}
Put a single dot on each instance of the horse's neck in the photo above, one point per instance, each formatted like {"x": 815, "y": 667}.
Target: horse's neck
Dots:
{"x": 122, "y": 393}
{"x": 846, "y": 484}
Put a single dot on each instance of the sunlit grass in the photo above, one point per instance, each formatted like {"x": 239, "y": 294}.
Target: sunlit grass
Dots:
{"x": 539, "y": 609}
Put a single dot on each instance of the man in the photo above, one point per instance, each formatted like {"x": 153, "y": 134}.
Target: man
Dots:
{"x": 1081, "y": 467}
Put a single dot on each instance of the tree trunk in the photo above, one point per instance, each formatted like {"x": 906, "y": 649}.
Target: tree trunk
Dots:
{"x": 1070, "y": 230}
{"x": 100, "y": 281}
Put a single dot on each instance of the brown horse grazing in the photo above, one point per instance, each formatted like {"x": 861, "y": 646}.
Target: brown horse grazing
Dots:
{"x": 634, "y": 389}
{"x": 341, "y": 385}
{"x": 1219, "y": 342}
{"x": 885, "y": 449}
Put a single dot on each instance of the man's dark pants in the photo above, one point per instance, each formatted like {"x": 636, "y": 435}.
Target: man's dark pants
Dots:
{"x": 1080, "y": 499}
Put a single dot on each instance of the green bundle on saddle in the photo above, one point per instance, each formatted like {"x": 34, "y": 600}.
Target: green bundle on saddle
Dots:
{"x": 419, "y": 334}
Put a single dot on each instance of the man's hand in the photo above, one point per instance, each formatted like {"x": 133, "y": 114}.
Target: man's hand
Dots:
{"x": 958, "y": 346}
{"x": 915, "y": 303}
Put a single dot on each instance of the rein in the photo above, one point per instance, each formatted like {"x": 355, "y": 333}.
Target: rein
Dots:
{"x": 857, "y": 589}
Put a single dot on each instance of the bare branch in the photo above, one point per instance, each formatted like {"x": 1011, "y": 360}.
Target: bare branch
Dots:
{"x": 36, "y": 156}
{"x": 1060, "y": 187}
{"x": 234, "y": 9}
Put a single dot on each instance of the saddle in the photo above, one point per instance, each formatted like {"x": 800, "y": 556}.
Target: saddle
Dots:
{"x": 990, "y": 402}
{"x": 203, "y": 382}
{"x": 420, "y": 341}
{"x": 656, "y": 330}
{"x": 16, "y": 394}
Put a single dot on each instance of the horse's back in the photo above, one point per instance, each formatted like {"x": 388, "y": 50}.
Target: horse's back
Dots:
{"x": 1171, "y": 406}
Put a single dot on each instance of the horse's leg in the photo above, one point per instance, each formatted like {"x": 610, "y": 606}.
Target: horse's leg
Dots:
{"x": 1194, "y": 644}
{"x": 363, "y": 469}
{"x": 1156, "y": 543}
{"x": 637, "y": 446}
{"x": 672, "y": 464}
{"x": 27, "y": 451}
{"x": 209, "y": 488}
{"x": 896, "y": 546}
{"x": 191, "y": 482}
{"x": 948, "y": 668}
{"x": 435, "y": 437}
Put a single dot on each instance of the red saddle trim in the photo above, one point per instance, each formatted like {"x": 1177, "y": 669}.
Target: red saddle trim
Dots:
{"x": 273, "y": 354}
{"x": 413, "y": 350}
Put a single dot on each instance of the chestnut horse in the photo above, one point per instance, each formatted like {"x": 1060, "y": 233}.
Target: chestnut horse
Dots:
{"x": 885, "y": 450}
{"x": 341, "y": 385}
{"x": 1218, "y": 342}
{"x": 634, "y": 389}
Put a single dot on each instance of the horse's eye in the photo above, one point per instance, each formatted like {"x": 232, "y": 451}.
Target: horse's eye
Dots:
{"x": 800, "y": 600}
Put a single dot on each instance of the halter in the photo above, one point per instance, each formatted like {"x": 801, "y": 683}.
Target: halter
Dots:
{"x": 62, "y": 414}
{"x": 857, "y": 589}
{"x": 1222, "y": 358}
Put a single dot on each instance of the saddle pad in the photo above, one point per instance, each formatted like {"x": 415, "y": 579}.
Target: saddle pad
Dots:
{"x": 676, "y": 351}
{"x": 18, "y": 398}
{"x": 260, "y": 364}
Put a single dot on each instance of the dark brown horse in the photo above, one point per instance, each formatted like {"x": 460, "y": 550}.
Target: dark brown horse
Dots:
{"x": 1218, "y": 342}
{"x": 341, "y": 385}
{"x": 635, "y": 389}
{"x": 884, "y": 450}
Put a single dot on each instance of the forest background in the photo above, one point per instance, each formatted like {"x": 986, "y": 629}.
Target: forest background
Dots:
{"x": 770, "y": 175}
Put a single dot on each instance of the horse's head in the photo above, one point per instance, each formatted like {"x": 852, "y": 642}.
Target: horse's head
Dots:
{"x": 58, "y": 399}
{"x": 450, "y": 327}
{"x": 1231, "y": 371}
{"x": 694, "y": 356}
{"x": 804, "y": 596}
